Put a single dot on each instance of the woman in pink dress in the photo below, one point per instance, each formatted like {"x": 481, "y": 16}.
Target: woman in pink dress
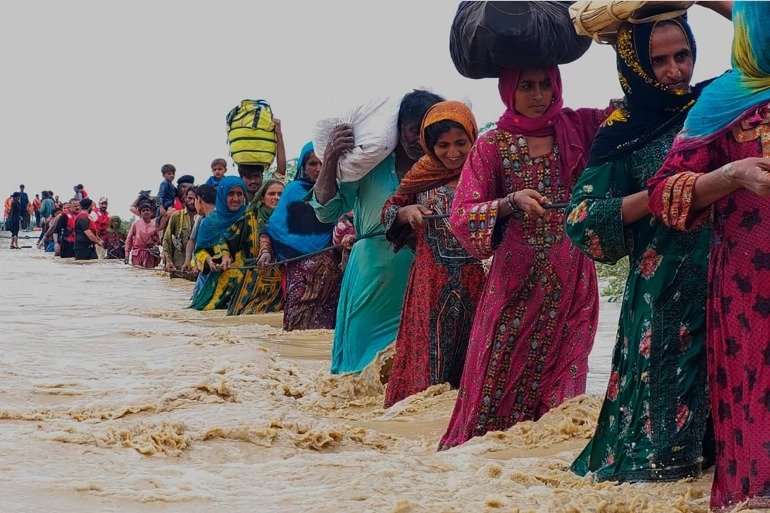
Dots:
{"x": 531, "y": 336}
{"x": 718, "y": 174}
{"x": 143, "y": 240}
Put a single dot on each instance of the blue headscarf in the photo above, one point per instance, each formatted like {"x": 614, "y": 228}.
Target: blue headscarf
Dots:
{"x": 221, "y": 218}
{"x": 293, "y": 228}
{"x": 742, "y": 88}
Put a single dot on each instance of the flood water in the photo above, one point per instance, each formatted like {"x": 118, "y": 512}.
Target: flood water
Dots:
{"x": 115, "y": 397}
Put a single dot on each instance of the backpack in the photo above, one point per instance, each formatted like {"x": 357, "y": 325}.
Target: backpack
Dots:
{"x": 251, "y": 133}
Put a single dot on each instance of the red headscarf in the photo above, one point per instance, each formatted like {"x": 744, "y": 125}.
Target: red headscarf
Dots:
{"x": 556, "y": 121}
{"x": 428, "y": 172}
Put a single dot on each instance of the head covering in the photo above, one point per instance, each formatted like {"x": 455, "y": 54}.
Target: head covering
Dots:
{"x": 185, "y": 179}
{"x": 293, "y": 228}
{"x": 429, "y": 172}
{"x": 304, "y": 154}
{"x": 221, "y": 218}
{"x": 556, "y": 121}
{"x": 119, "y": 229}
{"x": 650, "y": 108}
{"x": 741, "y": 89}
{"x": 103, "y": 200}
{"x": 256, "y": 206}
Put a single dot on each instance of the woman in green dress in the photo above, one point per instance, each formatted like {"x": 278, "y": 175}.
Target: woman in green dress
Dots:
{"x": 260, "y": 288}
{"x": 655, "y": 412}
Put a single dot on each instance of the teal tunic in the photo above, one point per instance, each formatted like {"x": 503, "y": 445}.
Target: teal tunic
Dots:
{"x": 652, "y": 423}
{"x": 374, "y": 283}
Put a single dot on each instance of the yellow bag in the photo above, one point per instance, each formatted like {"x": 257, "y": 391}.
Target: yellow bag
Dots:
{"x": 251, "y": 133}
{"x": 601, "y": 20}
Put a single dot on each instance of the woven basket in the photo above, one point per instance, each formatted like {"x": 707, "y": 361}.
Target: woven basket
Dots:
{"x": 600, "y": 20}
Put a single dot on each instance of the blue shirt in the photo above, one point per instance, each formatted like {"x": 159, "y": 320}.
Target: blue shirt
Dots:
{"x": 166, "y": 194}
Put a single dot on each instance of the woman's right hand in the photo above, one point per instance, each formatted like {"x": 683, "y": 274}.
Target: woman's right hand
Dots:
{"x": 341, "y": 140}
{"x": 212, "y": 265}
{"x": 529, "y": 201}
{"x": 751, "y": 173}
{"x": 413, "y": 215}
{"x": 264, "y": 259}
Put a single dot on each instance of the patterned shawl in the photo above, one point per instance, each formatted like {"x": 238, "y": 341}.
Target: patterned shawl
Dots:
{"x": 428, "y": 172}
{"x": 741, "y": 89}
{"x": 650, "y": 108}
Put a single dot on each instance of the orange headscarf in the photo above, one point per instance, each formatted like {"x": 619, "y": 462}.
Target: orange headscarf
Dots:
{"x": 428, "y": 172}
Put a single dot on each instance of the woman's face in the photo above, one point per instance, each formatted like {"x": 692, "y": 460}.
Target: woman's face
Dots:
{"x": 534, "y": 92}
{"x": 313, "y": 166}
{"x": 272, "y": 195}
{"x": 115, "y": 224}
{"x": 235, "y": 198}
{"x": 452, "y": 148}
{"x": 671, "y": 57}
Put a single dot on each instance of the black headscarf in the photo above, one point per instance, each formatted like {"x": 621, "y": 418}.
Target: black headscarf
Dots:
{"x": 649, "y": 107}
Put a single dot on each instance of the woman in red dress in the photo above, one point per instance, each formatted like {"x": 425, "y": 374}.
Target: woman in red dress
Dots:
{"x": 445, "y": 281}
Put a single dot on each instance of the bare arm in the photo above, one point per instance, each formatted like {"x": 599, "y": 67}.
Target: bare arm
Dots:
{"x": 634, "y": 207}
{"x": 280, "y": 151}
{"x": 722, "y": 7}
{"x": 340, "y": 141}
{"x": 750, "y": 173}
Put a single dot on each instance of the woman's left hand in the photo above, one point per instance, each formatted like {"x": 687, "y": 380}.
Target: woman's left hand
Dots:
{"x": 226, "y": 263}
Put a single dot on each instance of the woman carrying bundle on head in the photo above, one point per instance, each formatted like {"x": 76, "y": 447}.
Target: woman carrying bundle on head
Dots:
{"x": 445, "y": 281}
{"x": 654, "y": 417}
{"x": 312, "y": 283}
{"x": 529, "y": 346}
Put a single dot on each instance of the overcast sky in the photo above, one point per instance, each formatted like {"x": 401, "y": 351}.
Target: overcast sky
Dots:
{"x": 104, "y": 93}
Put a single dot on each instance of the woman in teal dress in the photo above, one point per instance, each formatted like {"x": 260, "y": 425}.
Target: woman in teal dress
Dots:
{"x": 655, "y": 412}
{"x": 374, "y": 283}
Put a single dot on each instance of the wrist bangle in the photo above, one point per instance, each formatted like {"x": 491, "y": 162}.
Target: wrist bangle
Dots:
{"x": 510, "y": 203}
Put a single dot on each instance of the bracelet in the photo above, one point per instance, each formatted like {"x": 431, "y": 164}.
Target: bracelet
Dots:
{"x": 511, "y": 204}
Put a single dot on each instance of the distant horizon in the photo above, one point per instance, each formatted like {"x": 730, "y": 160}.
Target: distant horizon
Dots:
{"x": 105, "y": 94}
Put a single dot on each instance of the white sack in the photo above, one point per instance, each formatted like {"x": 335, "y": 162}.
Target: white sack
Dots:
{"x": 375, "y": 129}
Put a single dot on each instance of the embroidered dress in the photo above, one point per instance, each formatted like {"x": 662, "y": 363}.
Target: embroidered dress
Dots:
{"x": 445, "y": 283}
{"x": 738, "y": 307}
{"x": 654, "y": 415}
{"x": 655, "y": 411}
{"x": 176, "y": 235}
{"x": 731, "y": 122}
{"x": 530, "y": 341}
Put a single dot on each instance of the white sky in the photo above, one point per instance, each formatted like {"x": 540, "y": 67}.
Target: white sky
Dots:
{"x": 104, "y": 93}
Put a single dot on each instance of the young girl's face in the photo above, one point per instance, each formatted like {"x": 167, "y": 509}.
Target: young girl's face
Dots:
{"x": 272, "y": 195}
{"x": 452, "y": 148}
{"x": 218, "y": 171}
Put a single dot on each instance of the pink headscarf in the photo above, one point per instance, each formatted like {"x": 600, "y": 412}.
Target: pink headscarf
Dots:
{"x": 556, "y": 120}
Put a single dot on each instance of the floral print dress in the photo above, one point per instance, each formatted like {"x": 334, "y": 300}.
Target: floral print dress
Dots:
{"x": 653, "y": 419}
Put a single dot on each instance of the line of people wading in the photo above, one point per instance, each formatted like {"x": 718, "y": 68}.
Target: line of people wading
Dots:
{"x": 670, "y": 174}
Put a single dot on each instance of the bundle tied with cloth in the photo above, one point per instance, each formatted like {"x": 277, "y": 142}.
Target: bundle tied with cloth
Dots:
{"x": 375, "y": 130}
{"x": 600, "y": 20}
{"x": 489, "y": 37}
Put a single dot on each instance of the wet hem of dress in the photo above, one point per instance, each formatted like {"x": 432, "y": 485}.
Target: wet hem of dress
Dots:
{"x": 646, "y": 475}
